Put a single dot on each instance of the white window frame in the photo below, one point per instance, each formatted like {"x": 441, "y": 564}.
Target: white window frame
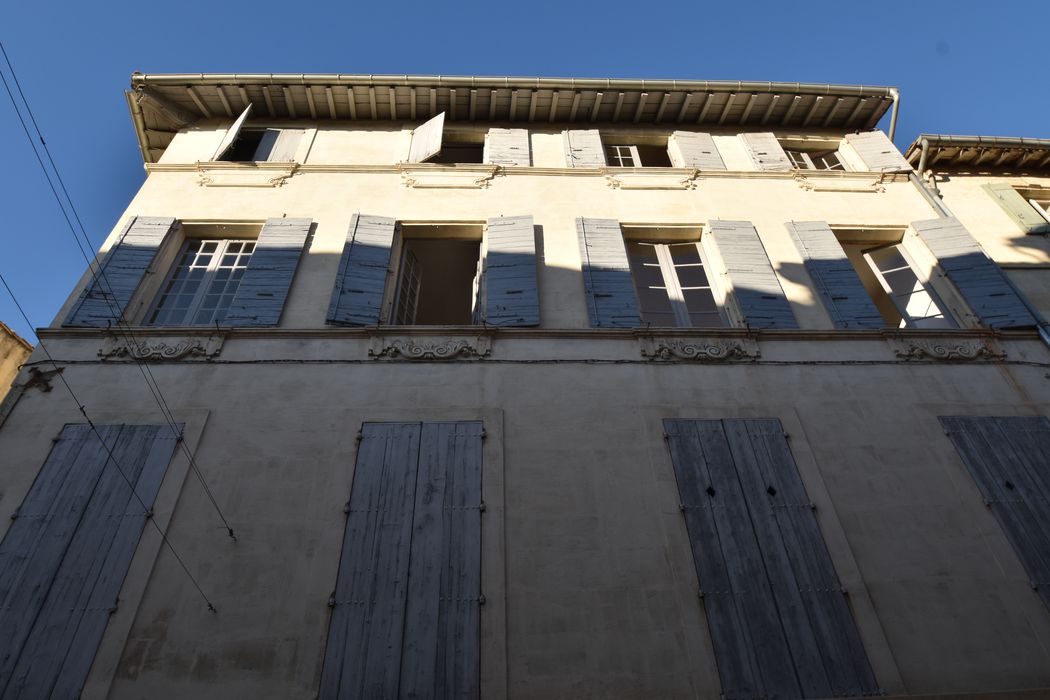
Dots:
{"x": 1040, "y": 207}
{"x": 673, "y": 287}
{"x": 633, "y": 153}
{"x": 202, "y": 290}
{"x": 803, "y": 160}
{"x": 923, "y": 281}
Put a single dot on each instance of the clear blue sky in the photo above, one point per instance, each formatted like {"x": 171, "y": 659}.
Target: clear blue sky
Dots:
{"x": 964, "y": 67}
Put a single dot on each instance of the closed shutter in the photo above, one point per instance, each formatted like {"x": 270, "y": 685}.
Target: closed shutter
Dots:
{"x": 583, "y": 148}
{"x": 979, "y": 280}
{"x": 755, "y": 285}
{"x": 406, "y": 609}
{"x": 105, "y": 299}
{"x": 231, "y": 135}
{"x": 1009, "y": 459}
{"x": 63, "y": 561}
{"x": 836, "y": 280}
{"x": 507, "y": 147}
{"x": 766, "y": 152}
{"x": 779, "y": 621}
{"x": 607, "y": 282}
{"x": 426, "y": 139}
{"x": 693, "y": 149}
{"x": 287, "y": 145}
{"x": 511, "y": 297}
{"x": 1017, "y": 208}
{"x": 263, "y": 289}
{"x": 357, "y": 297}
{"x": 878, "y": 152}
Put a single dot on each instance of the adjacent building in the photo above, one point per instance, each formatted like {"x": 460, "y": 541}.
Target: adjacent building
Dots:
{"x": 13, "y": 352}
{"x": 537, "y": 388}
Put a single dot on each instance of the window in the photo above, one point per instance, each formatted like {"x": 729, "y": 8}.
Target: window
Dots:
{"x": 459, "y": 152}
{"x": 261, "y": 145}
{"x": 822, "y": 159}
{"x": 915, "y": 302}
{"x": 672, "y": 284}
{"x": 1040, "y": 201}
{"x": 637, "y": 156}
{"x": 202, "y": 283}
{"x": 438, "y": 275}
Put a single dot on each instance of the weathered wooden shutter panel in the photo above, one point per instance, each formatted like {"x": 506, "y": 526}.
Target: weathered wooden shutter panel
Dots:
{"x": 765, "y": 151}
{"x": 980, "y": 281}
{"x": 878, "y": 152}
{"x": 426, "y": 139}
{"x": 583, "y": 148}
{"x": 1009, "y": 459}
{"x": 694, "y": 149}
{"x": 1017, "y": 208}
{"x": 511, "y": 296}
{"x": 607, "y": 282}
{"x": 106, "y": 297}
{"x": 232, "y": 134}
{"x": 779, "y": 622}
{"x": 63, "y": 562}
{"x": 507, "y": 147}
{"x": 260, "y": 297}
{"x": 357, "y": 297}
{"x": 406, "y": 606}
{"x": 287, "y": 145}
{"x": 755, "y": 285}
{"x": 836, "y": 281}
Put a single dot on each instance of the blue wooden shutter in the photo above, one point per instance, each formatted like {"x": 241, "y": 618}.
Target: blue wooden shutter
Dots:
{"x": 1017, "y": 208}
{"x": 755, "y": 285}
{"x": 1009, "y": 459}
{"x": 694, "y": 149}
{"x": 611, "y": 299}
{"x": 837, "y": 283}
{"x": 511, "y": 297}
{"x": 261, "y": 295}
{"x": 405, "y": 612}
{"x": 779, "y": 621}
{"x": 878, "y": 152}
{"x": 63, "y": 561}
{"x": 980, "y": 281}
{"x": 105, "y": 299}
{"x": 583, "y": 148}
{"x": 357, "y": 297}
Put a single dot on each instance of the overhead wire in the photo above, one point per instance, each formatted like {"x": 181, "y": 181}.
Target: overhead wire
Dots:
{"x": 99, "y": 278}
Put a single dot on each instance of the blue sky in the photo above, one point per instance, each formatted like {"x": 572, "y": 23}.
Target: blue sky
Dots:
{"x": 964, "y": 67}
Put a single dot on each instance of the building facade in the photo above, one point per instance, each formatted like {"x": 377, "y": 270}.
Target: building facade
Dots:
{"x": 534, "y": 388}
{"x": 14, "y": 350}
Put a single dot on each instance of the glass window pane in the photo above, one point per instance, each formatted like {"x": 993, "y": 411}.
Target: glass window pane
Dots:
{"x": 684, "y": 253}
{"x": 665, "y": 319}
{"x": 700, "y": 300}
{"x": 706, "y": 320}
{"x": 692, "y": 276}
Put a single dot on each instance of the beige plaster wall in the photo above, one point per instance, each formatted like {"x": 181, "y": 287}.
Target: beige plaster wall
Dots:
{"x": 13, "y": 352}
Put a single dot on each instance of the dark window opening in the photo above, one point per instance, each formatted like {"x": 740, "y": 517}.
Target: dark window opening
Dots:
{"x": 459, "y": 152}
{"x": 637, "y": 156}
{"x": 437, "y": 282}
{"x": 817, "y": 159}
{"x": 252, "y": 145}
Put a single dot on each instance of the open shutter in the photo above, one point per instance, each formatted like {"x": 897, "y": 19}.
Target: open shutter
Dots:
{"x": 878, "y": 152}
{"x": 843, "y": 294}
{"x": 765, "y": 151}
{"x": 405, "y": 613}
{"x": 1017, "y": 208}
{"x": 979, "y": 280}
{"x": 287, "y": 145}
{"x": 231, "y": 135}
{"x": 426, "y": 139}
{"x": 755, "y": 285}
{"x": 63, "y": 561}
{"x": 263, "y": 289}
{"x": 511, "y": 297}
{"x": 1009, "y": 459}
{"x": 507, "y": 147}
{"x": 583, "y": 148}
{"x": 778, "y": 618}
{"x": 694, "y": 149}
{"x": 357, "y": 297}
{"x": 611, "y": 299}
{"x": 106, "y": 297}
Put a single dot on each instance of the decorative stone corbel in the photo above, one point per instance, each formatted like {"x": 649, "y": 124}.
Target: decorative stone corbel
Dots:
{"x": 154, "y": 349}
{"x": 948, "y": 350}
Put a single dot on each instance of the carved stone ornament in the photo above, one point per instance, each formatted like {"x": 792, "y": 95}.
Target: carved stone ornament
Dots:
{"x": 967, "y": 350}
{"x": 268, "y": 175}
{"x": 700, "y": 350}
{"x": 430, "y": 348}
{"x": 656, "y": 179}
{"x": 153, "y": 349}
{"x": 812, "y": 183}
{"x": 424, "y": 177}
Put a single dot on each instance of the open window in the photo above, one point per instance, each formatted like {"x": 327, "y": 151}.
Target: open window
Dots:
{"x": 432, "y": 143}
{"x": 628, "y": 153}
{"x": 672, "y": 278}
{"x": 243, "y": 144}
{"x": 438, "y": 275}
{"x": 805, "y": 155}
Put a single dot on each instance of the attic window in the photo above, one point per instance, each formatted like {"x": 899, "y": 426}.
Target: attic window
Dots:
{"x": 262, "y": 145}
{"x": 453, "y": 151}
{"x": 815, "y": 159}
{"x": 637, "y": 155}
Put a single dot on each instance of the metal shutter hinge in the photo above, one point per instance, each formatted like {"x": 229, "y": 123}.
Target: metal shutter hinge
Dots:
{"x": 484, "y": 434}
{"x": 149, "y": 513}
{"x": 700, "y": 592}
{"x": 346, "y": 508}
{"x": 358, "y": 437}
{"x": 481, "y": 599}
{"x": 481, "y": 508}
{"x": 331, "y": 601}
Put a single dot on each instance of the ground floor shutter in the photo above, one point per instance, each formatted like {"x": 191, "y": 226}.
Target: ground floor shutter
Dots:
{"x": 63, "y": 561}
{"x": 406, "y": 609}
{"x": 779, "y": 621}
{"x": 264, "y": 288}
{"x": 357, "y": 297}
{"x": 1009, "y": 458}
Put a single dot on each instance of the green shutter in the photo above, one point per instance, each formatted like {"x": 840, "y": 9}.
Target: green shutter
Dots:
{"x": 1017, "y": 208}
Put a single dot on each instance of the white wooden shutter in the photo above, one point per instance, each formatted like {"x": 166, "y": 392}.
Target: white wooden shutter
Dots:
{"x": 231, "y": 135}
{"x": 357, "y": 297}
{"x": 1017, "y": 207}
{"x": 260, "y": 296}
{"x": 611, "y": 299}
{"x": 583, "y": 148}
{"x": 765, "y": 151}
{"x": 756, "y": 287}
{"x": 511, "y": 297}
{"x": 426, "y": 139}
{"x": 507, "y": 147}
{"x": 287, "y": 145}
{"x": 878, "y": 152}
{"x": 694, "y": 149}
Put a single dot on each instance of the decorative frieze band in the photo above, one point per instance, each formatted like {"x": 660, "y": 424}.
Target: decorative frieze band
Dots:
{"x": 160, "y": 349}
{"x": 700, "y": 350}
{"x": 962, "y": 350}
{"x": 425, "y": 348}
